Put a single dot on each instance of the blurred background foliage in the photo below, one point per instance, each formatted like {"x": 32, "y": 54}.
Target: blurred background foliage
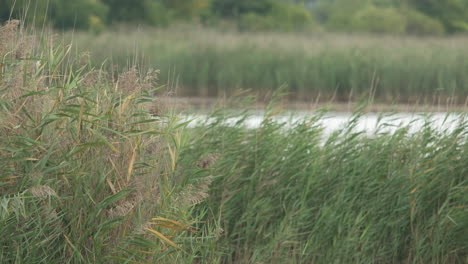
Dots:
{"x": 420, "y": 17}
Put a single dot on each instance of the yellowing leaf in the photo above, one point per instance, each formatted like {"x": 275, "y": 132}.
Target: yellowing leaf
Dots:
{"x": 157, "y": 234}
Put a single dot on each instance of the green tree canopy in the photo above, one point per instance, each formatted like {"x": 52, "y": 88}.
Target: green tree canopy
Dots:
{"x": 234, "y": 8}
{"x": 62, "y": 14}
{"x": 452, "y": 13}
{"x": 405, "y": 16}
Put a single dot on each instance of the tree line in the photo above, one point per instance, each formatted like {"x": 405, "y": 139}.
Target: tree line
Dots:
{"x": 374, "y": 16}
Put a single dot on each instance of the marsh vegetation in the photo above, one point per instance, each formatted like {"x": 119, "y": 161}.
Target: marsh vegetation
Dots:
{"x": 315, "y": 68}
{"x": 97, "y": 167}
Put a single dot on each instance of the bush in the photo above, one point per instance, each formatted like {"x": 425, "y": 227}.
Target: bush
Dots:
{"x": 453, "y": 14}
{"x": 187, "y": 9}
{"x": 421, "y": 24}
{"x": 381, "y": 17}
{"x": 337, "y": 15}
{"x": 155, "y": 14}
{"x": 460, "y": 26}
{"x": 96, "y": 25}
{"x": 283, "y": 17}
{"x": 294, "y": 16}
{"x": 234, "y": 8}
{"x": 17, "y": 9}
{"x": 254, "y": 22}
{"x": 77, "y": 14}
{"x": 378, "y": 20}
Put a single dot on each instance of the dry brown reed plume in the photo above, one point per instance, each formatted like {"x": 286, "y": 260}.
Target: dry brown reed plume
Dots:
{"x": 144, "y": 189}
{"x": 8, "y": 35}
{"x": 42, "y": 191}
{"x": 159, "y": 107}
{"x": 131, "y": 80}
{"x": 12, "y": 41}
{"x": 194, "y": 194}
{"x": 14, "y": 46}
{"x": 207, "y": 161}
{"x": 21, "y": 45}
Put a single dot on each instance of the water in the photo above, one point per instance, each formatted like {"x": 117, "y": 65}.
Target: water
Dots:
{"x": 369, "y": 123}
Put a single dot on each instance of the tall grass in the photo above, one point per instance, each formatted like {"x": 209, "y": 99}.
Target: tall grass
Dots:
{"x": 86, "y": 169}
{"x": 204, "y": 62}
{"x": 92, "y": 170}
{"x": 284, "y": 195}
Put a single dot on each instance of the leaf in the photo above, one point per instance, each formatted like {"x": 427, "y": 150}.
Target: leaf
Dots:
{"x": 170, "y": 226}
{"x": 168, "y": 220}
{"x": 130, "y": 165}
{"x": 104, "y": 140}
{"x": 157, "y": 234}
{"x": 144, "y": 121}
{"x": 113, "y": 199}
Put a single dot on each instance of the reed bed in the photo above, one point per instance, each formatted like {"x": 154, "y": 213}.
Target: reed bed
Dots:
{"x": 94, "y": 170}
{"x": 288, "y": 194}
{"x": 86, "y": 163}
{"x": 315, "y": 67}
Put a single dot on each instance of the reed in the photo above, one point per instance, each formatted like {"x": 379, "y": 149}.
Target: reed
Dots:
{"x": 94, "y": 170}
{"x": 324, "y": 67}
{"x": 290, "y": 194}
{"x": 85, "y": 164}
